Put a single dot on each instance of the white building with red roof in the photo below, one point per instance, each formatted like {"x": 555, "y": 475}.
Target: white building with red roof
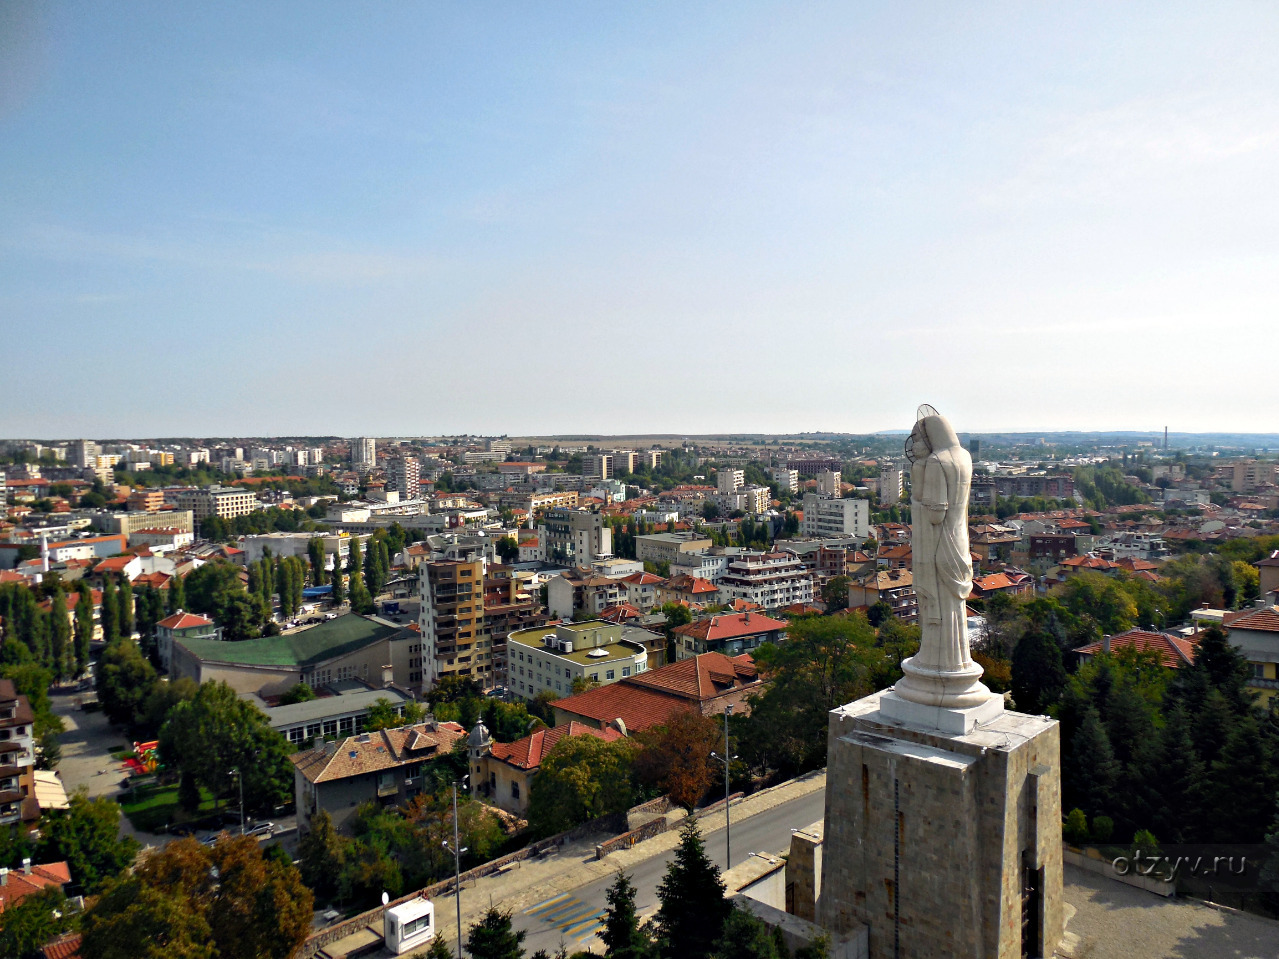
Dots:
{"x": 731, "y": 634}
{"x": 503, "y": 773}
{"x": 182, "y": 625}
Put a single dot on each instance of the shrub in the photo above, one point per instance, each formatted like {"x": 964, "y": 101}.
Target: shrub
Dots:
{"x": 1075, "y": 830}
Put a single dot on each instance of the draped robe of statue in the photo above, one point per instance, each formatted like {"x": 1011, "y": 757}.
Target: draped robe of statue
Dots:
{"x": 942, "y": 673}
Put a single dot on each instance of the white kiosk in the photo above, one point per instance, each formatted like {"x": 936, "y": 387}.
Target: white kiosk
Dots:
{"x": 409, "y": 925}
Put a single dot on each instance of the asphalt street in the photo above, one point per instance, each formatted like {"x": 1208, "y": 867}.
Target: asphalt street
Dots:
{"x": 571, "y": 919}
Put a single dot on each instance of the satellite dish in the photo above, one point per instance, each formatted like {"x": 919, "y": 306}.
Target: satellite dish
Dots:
{"x": 385, "y": 898}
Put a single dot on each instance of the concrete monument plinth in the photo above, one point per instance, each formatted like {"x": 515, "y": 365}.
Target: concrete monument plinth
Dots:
{"x": 946, "y": 719}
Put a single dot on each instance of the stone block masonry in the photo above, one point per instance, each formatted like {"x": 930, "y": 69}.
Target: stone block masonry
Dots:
{"x": 947, "y": 846}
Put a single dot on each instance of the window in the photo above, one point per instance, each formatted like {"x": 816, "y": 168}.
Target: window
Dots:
{"x": 1258, "y": 671}
{"x": 626, "y": 670}
{"x": 595, "y": 677}
{"x": 558, "y": 687}
{"x": 609, "y": 674}
{"x": 515, "y": 789}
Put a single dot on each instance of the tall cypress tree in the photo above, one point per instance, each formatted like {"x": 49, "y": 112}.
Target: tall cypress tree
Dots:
{"x": 339, "y": 583}
{"x": 693, "y": 909}
{"x": 126, "y": 607}
{"x": 1093, "y": 772}
{"x": 83, "y": 627}
{"x": 354, "y": 558}
{"x": 315, "y": 550}
{"x": 59, "y": 634}
{"x": 177, "y": 594}
{"x": 1179, "y": 776}
{"x": 110, "y": 610}
{"x": 1038, "y": 677}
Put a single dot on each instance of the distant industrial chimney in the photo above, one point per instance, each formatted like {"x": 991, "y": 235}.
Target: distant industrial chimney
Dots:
{"x": 1165, "y": 439}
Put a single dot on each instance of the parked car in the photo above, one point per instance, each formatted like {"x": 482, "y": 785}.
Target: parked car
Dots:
{"x": 261, "y": 829}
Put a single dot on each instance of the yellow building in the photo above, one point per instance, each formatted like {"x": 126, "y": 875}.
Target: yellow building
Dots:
{"x": 1255, "y": 633}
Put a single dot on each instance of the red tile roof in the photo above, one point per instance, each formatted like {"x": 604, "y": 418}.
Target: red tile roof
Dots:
{"x": 184, "y": 621}
{"x": 684, "y": 583}
{"x": 1266, "y": 619}
{"x": 650, "y": 698}
{"x": 528, "y": 753}
{"x": 730, "y": 626}
{"x": 1173, "y": 651}
{"x": 642, "y": 579}
{"x": 21, "y": 884}
{"x": 370, "y": 752}
{"x": 64, "y": 947}
{"x": 1271, "y": 560}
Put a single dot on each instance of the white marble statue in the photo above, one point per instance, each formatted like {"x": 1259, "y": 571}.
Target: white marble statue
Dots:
{"x": 942, "y": 673}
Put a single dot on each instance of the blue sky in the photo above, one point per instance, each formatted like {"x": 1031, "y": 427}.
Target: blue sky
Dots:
{"x": 402, "y": 219}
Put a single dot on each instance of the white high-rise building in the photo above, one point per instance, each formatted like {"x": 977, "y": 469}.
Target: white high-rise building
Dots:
{"x": 827, "y": 516}
{"x": 828, "y": 482}
{"x": 364, "y": 451}
{"x": 890, "y": 485}
{"x": 730, "y": 481}
{"x": 786, "y": 479}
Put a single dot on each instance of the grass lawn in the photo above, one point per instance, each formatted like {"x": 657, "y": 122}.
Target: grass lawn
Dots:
{"x": 154, "y": 807}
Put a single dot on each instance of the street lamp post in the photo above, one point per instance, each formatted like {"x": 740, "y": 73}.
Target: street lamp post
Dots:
{"x": 239, "y": 781}
{"x": 727, "y": 760}
{"x": 456, "y": 848}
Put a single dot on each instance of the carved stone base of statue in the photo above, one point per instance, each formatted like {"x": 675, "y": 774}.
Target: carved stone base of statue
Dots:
{"x": 952, "y": 700}
{"x": 945, "y": 844}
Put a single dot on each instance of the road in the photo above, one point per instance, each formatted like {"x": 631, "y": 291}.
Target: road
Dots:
{"x": 769, "y": 831}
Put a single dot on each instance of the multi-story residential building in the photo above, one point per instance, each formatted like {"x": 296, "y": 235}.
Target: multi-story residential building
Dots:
{"x": 896, "y": 587}
{"x": 641, "y": 590}
{"x": 829, "y": 483}
{"x": 1268, "y": 573}
{"x": 812, "y": 465}
{"x": 1054, "y": 487}
{"x": 729, "y": 481}
{"x": 668, "y": 547}
{"x": 772, "y": 580}
{"x": 17, "y": 758}
{"x": 828, "y": 517}
{"x": 500, "y": 448}
{"x": 731, "y": 634}
{"x": 574, "y": 536}
{"x": 126, "y": 524}
{"x": 754, "y": 499}
{"x": 1255, "y": 633}
{"x": 452, "y": 622}
{"x": 1247, "y": 475}
{"x": 146, "y": 500}
{"x": 598, "y": 466}
{"x": 890, "y": 484}
{"x": 507, "y": 609}
{"x": 83, "y": 453}
{"x": 785, "y": 479}
{"x": 652, "y": 458}
{"x": 578, "y": 590}
{"x": 224, "y": 502}
{"x": 364, "y": 452}
{"x": 537, "y": 503}
{"x": 710, "y": 566}
{"x": 404, "y": 475}
{"x": 687, "y": 589}
{"x": 388, "y": 768}
{"x": 550, "y": 660}
{"x": 982, "y": 495}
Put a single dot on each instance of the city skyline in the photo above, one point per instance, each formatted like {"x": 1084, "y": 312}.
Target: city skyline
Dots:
{"x": 832, "y": 209}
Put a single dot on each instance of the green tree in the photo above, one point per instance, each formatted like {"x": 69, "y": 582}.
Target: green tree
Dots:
{"x": 87, "y": 835}
{"x": 320, "y": 852}
{"x": 1245, "y": 783}
{"x": 339, "y": 584}
{"x": 622, "y": 936}
{"x": 297, "y": 693}
{"x": 124, "y": 680}
{"x": 315, "y": 552}
{"x": 580, "y": 779}
{"x": 1038, "y": 676}
{"x": 675, "y": 757}
{"x": 361, "y": 600}
{"x": 355, "y": 557}
{"x": 692, "y": 911}
{"x": 83, "y": 627}
{"x": 125, "y": 595}
{"x": 33, "y": 922}
{"x": 110, "y": 615}
{"x": 177, "y": 594}
{"x": 493, "y": 938}
{"x": 746, "y": 937}
{"x": 134, "y": 920}
{"x": 1093, "y": 770}
{"x": 835, "y": 593}
{"x": 216, "y": 732}
{"x": 61, "y": 653}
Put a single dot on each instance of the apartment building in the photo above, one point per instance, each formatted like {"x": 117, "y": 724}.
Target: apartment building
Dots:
{"x": 667, "y": 547}
{"x": 829, "y": 483}
{"x": 731, "y": 634}
{"x": 772, "y": 580}
{"x": 549, "y": 660}
{"x": 891, "y": 481}
{"x": 574, "y": 536}
{"x": 17, "y": 758}
{"x": 785, "y": 479}
{"x": 729, "y": 481}
{"x": 826, "y": 516}
{"x": 598, "y": 466}
{"x": 126, "y": 524}
{"x": 812, "y": 465}
{"x": 404, "y": 475}
{"x": 146, "y": 500}
{"x": 896, "y": 587}
{"x": 364, "y": 452}
{"x": 454, "y": 642}
{"x": 224, "y": 502}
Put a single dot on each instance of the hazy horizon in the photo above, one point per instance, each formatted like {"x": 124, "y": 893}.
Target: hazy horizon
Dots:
{"x": 408, "y": 220}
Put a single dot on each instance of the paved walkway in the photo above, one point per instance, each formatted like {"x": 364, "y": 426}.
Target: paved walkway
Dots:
{"x": 87, "y": 745}
{"x": 538, "y": 881}
{"x": 1115, "y": 921}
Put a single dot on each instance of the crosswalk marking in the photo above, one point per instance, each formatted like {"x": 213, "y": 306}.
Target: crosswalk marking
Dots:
{"x": 574, "y": 918}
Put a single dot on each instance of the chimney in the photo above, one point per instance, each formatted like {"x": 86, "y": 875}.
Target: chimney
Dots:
{"x": 26, "y": 866}
{"x": 317, "y": 742}
{"x": 388, "y": 676}
{"x": 1105, "y": 644}
{"x": 4, "y": 876}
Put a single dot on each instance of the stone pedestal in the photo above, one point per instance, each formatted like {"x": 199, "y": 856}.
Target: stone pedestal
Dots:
{"x": 946, "y": 844}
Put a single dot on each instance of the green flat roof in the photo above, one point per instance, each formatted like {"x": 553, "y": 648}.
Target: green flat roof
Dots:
{"x": 334, "y": 638}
